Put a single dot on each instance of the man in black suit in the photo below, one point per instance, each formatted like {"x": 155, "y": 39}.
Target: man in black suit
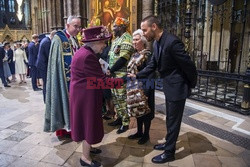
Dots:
{"x": 179, "y": 76}
{"x": 43, "y": 58}
{"x": 2, "y": 54}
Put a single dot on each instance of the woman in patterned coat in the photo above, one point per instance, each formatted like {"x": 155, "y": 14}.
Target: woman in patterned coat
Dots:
{"x": 142, "y": 104}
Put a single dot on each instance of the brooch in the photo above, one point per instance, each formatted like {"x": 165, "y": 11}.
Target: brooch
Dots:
{"x": 66, "y": 45}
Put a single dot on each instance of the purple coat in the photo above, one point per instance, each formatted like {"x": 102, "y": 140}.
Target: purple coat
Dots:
{"x": 85, "y": 104}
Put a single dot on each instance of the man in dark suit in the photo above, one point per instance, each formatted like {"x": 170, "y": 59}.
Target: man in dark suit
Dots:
{"x": 33, "y": 51}
{"x": 43, "y": 58}
{"x": 2, "y": 54}
{"x": 26, "y": 49}
{"x": 10, "y": 60}
{"x": 179, "y": 76}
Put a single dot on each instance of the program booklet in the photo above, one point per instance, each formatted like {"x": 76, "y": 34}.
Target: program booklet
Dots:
{"x": 104, "y": 65}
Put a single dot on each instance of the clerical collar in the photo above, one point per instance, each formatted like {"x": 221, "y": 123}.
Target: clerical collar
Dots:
{"x": 68, "y": 34}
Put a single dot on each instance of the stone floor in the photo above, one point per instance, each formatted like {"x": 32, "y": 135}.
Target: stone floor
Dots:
{"x": 209, "y": 137}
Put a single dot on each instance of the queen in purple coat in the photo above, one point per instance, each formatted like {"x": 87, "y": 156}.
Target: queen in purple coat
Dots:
{"x": 85, "y": 98}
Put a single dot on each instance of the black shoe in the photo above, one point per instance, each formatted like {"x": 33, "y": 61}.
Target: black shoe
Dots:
{"x": 64, "y": 137}
{"x": 37, "y": 89}
{"x": 67, "y": 136}
{"x": 122, "y": 129}
{"x": 143, "y": 140}
{"x": 93, "y": 163}
{"x": 163, "y": 158}
{"x": 95, "y": 150}
{"x": 160, "y": 146}
{"x": 7, "y": 86}
{"x": 118, "y": 121}
{"x": 135, "y": 136}
{"x": 8, "y": 80}
{"x": 105, "y": 117}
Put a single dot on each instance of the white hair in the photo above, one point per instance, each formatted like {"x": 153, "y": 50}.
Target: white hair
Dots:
{"x": 140, "y": 32}
{"x": 70, "y": 18}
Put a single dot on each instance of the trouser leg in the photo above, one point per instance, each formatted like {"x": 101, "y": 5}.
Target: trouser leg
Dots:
{"x": 34, "y": 77}
{"x": 119, "y": 99}
{"x": 139, "y": 125}
{"x": 173, "y": 123}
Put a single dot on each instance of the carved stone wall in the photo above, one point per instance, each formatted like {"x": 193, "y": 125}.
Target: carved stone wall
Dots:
{"x": 47, "y": 15}
{"x": 9, "y": 35}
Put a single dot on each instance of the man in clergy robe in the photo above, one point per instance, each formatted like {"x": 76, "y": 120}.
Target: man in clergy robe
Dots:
{"x": 43, "y": 58}
{"x": 63, "y": 46}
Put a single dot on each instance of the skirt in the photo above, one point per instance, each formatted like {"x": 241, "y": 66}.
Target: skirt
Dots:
{"x": 6, "y": 69}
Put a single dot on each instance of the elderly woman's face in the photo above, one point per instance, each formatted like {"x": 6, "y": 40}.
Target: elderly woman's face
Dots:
{"x": 100, "y": 46}
{"x": 137, "y": 43}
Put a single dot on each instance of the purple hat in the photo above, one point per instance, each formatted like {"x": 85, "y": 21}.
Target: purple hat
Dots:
{"x": 96, "y": 34}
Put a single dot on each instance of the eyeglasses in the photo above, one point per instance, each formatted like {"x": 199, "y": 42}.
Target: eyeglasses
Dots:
{"x": 76, "y": 26}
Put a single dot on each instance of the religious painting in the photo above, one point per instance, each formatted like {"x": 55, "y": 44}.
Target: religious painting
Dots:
{"x": 110, "y": 9}
{"x": 107, "y": 10}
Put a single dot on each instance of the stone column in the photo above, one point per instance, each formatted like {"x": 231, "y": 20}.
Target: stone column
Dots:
{"x": 43, "y": 15}
{"x": 83, "y": 12}
{"x": 69, "y": 8}
{"x": 40, "y": 21}
{"x": 59, "y": 14}
{"x": 147, "y": 8}
{"x": 49, "y": 15}
{"x": 65, "y": 11}
{"x": 53, "y": 14}
{"x": 76, "y": 7}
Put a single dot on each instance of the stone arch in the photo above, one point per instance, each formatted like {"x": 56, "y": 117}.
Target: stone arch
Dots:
{"x": 7, "y": 38}
{"x": 7, "y": 35}
{"x": 24, "y": 38}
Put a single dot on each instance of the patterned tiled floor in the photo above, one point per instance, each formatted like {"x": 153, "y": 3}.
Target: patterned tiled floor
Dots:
{"x": 209, "y": 137}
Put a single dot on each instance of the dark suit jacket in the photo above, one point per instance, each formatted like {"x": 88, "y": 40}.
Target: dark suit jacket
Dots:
{"x": 10, "y": 56}
{"x": 174, "y": 65}
{"x": 43, "y": 54}
{"x": 2, "y": 54}
{"x": 33, "y": 51}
